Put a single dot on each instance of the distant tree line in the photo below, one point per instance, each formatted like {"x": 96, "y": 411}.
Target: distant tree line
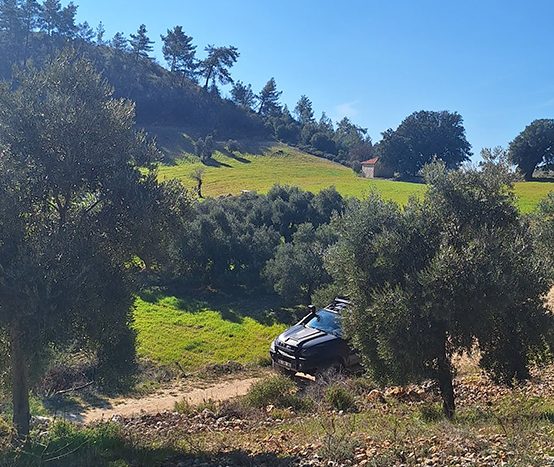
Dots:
{"x": 33, "y": 30}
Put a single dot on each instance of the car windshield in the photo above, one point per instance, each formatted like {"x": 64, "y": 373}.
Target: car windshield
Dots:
{"x": 326, "y": 321}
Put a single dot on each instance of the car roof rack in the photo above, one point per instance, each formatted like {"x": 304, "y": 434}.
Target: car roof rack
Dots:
{"x": 338, "y": 305}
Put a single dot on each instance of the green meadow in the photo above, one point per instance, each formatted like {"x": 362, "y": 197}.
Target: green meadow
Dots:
{"x": 231, "y": 173}
{"x": 196, "y": 333}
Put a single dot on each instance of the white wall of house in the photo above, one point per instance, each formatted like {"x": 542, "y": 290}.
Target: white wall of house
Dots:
{"x": 368, "y": 171}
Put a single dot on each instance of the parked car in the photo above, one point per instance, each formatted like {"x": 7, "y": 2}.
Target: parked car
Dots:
{"x": 316, "y": 343}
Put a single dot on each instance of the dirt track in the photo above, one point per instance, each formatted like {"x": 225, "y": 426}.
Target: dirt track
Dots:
{"x": 165, "y": 400}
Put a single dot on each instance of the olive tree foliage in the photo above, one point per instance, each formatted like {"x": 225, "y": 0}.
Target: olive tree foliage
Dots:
{"x": 456, "y": 269}
{"x": 533, "y": 146}
{"x": 297, "y": 268}
{"x": 75, "y": 214}
{"x": 228, "y": 242}
{"x": 543, "y": 223}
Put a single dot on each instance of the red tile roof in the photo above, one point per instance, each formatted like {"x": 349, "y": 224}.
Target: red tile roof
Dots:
{"x": 371, "y": 161}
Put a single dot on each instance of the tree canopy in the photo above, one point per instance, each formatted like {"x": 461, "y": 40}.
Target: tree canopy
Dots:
{"x": 215, "y": 67}
{"x": 179, "y": 52}
{"x": 75, "y": 213}
{"x": 422, "y": 137}
{"x": 141, "y": 45}
{"x": 243, "y": 96}
{"x": 459, "y": 268}
{"x": 533, "y": 146}
{"x": 269, "y": 99}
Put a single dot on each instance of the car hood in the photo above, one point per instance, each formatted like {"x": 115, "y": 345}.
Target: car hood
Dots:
{"x": 302, "y": 336}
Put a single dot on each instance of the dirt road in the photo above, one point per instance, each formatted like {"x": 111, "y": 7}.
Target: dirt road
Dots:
{"x": 165, "y": 400}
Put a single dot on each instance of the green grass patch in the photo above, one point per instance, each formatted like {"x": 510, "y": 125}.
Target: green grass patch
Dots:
{"x": 197, "y": 333}
{"x": 262, "y": 168}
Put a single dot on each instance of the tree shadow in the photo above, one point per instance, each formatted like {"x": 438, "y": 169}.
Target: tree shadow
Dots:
{"x": 215, "y": 163}
{"x": 74, "y": 411}
{"x": 234, "y": 156}
{"x": 70, "y": 450}
{"x": 542, "y": 179}
{"x": 266, "y": 309}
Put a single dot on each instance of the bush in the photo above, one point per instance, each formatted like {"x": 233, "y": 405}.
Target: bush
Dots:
{"x": 340, "y": 397}
{"x": 278, "y": 391}
{"x": 338, "y": 445}
{"x": 356, "y": 167}
{"x": 184, "y": 407}
{"x": 205, "y": 147}
{"x": 233, "y": 145}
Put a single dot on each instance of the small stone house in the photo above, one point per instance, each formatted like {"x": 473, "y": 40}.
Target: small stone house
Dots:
{"x": 372, "y": 168}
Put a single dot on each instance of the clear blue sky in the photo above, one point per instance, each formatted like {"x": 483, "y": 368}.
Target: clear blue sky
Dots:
{"x": 375, "y": 61}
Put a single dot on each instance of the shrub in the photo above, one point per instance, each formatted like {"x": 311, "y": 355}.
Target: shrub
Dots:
{"x": 233, "y": 145}
{"x": 340, "y": 397}
{"x": 338, "y": 445}
{"x": 430, "y": 412}
{"x": 205, "y": 147}
{"x": 356, "y": 167}
{"x": 186, "y": 408}
{"x": 278, "y": 391}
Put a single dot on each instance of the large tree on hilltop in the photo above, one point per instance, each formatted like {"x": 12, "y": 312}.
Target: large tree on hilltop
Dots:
{"x": 141, "y": 45}
{"x": 304, "y": 111}
{"x": 75, "y": 213}
{"x": 120, "y": 42}
{"x": 55, "y": 19}
{"x": 268, "y": 98}
{"x": 179, "y": 52}
{"x": 422, "y": 137}
{"x": 215, "y": 67}
{"x": 459, "y": 268}
{"x": 533, "y": 146}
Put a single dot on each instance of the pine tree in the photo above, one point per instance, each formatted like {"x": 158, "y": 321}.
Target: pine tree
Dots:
{"x": 85, "y": 32}
{"x": 179, "y": 52}
{"x": 120, "y": 42}
{"x": 243, "y": 96}
{"x": 215, "y": 67}
{"x": 304, "y": 111}
{"x": 141, "y": 45}
{"x": 50, "y": 16}
{"x": 100, "y": 34}
{"x": 269, "y": 99}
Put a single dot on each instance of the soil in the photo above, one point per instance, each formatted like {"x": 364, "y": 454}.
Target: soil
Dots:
{"x": 165, "y": 399}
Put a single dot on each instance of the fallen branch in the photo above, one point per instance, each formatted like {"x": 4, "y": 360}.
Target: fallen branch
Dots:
{"x": 75, "y": 388}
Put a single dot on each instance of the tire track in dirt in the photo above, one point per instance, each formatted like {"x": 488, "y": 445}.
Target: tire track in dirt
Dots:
{"x": 164, "y": 400}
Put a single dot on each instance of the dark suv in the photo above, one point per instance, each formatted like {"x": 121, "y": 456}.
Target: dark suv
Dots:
{"x": 316, "y": 343}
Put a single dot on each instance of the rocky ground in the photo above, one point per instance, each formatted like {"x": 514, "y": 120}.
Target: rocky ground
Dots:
{"x": 399, "y": 426}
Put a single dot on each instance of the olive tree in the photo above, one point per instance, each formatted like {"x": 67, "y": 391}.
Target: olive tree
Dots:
{"x": 75, "y": 214}
{"x": 439, "y": 276}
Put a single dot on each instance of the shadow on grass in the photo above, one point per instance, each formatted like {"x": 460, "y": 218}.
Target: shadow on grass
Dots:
{"x": 265, "y": 309}
{"x": 232, "y": 155}
{"x": 116, "y": 452}
{"x": 214, "y": 163}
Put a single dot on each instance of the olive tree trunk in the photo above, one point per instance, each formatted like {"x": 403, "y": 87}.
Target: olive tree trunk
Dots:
{"x": 20, "y": 382}
{"x": 446, "y": 386}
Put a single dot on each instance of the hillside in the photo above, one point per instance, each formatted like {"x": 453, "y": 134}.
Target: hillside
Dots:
{"x": 261, "y": 166}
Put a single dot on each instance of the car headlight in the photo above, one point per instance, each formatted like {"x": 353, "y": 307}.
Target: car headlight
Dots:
{"x": 272, "y": 346}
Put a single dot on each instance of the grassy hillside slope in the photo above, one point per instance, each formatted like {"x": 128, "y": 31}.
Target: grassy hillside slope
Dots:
{"x": 197, "y": 333}
{"x": 262, "y": 167}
